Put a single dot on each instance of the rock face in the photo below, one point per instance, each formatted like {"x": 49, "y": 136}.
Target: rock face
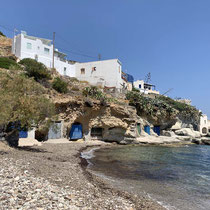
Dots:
{"x": 116, "y": 122}
{"x": 188, "y": 132}
{"x": 5, "y": 46}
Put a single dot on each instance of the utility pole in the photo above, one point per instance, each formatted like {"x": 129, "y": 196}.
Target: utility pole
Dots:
{"x": 99, "y": 56}
{"x": 53, "y": 64}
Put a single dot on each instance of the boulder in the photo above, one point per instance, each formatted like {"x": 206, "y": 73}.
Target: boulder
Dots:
{"x": 177, "y": 126}
{"x": 205, "y": 141}
{"x": 168, "y": 133}
{"x": 188, "y": 132}
{"x": 184, "y": 138}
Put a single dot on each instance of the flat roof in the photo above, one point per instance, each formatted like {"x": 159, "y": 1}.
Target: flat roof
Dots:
{"x": 102, "y": 61}
{"x": 44, "y": 41}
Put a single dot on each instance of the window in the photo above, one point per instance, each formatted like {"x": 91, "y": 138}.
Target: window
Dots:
{"x": 64, "y": 71}
{"x": 140, "y": 86}
{"x": 46, "y": 50}
{"x": 29, "y": 46}
{"x": 82, "y": 71}
{"x": 94, "y": 69}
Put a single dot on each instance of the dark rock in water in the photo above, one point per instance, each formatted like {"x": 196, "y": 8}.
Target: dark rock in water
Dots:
{"x": 206, "y": 141}
{"x": 196, "y": 141}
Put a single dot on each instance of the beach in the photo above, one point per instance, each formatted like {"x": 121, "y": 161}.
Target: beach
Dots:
{"x": 54, "y": 176}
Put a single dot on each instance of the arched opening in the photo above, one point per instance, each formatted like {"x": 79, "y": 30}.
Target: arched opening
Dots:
{"x": 138, "y": 125}
{"x": 156, "y": 129}
{"x": 76, "y": 131}
{"x": 204, "y": 130}
{"x": 147, "y": 129}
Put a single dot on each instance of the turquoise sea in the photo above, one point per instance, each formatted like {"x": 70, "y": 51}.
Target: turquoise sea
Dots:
{"x": 176, "y": 177}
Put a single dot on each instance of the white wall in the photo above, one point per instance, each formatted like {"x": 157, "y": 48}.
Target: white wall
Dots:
{"x": 37, "y": 52}
{"x": 107, "y": 73}
{"x": 142, "y": 89}
{"x": 70, "y": 68}
{"x": 203, "y": 123}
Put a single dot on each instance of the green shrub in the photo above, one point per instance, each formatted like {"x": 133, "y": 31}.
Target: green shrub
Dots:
{"x": 35, "y": 69}
{"x": 149, "y": 106}
{"x": 59, "y": 85}
{"x": 1, "y": 34}
{"x": 136, "y": 90}
{"x": 8, "y": 63}
{"x": 93, "y": 92}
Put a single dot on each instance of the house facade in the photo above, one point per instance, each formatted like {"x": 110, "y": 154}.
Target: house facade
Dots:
{"x": 145, "y": 87}
{"x": 105, "y": 73}
{"x": 204, "y": 126}
{"x": 40, "y": 49}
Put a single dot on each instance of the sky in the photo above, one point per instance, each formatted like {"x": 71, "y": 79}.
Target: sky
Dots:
{"x": 168, "y": 38}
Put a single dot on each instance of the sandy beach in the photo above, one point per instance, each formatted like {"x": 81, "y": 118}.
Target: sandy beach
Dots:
{"x": 54, "y": 176}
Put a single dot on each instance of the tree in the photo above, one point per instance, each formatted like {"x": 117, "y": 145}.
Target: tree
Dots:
{"x": 22, "y": 100}
{"x": 35, "y": 69}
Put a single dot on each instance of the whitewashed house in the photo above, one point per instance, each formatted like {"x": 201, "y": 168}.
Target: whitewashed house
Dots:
{"x": 25, "y": 46}
{"x": 145, "y": 87}
{"x": 204, "y": 125}
{"x": 104, "y": 73}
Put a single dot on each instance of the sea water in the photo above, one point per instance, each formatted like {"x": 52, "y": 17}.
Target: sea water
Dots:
{"x": 176, "y": 177}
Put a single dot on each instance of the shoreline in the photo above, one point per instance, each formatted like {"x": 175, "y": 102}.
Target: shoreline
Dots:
{"x": 103, "y": 184}
{"x": 57, "y": 177}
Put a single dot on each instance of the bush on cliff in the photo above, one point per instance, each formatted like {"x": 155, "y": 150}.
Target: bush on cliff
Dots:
{"x": 93, "y": 92}
{"x": 185, "y": 111}
{"x": 22, "y": 100}
{"x": 7, "y": 63}
{"x": 35, "y": 69}
{"x": 161, "y": 107}
{"x": 60, "y": 85}
{"x": 1, "y": 34}
{"x": 148, "y": 106}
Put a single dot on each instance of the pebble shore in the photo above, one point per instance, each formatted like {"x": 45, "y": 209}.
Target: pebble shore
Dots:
{"x": 51, "y": 177}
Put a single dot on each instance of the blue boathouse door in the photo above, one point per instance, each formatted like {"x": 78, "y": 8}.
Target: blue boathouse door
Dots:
{"x": 23, "y": 134}
{"x": 157, "y": 130}
{"x": 147, "y": 129}
{"x": 76, "y": 131}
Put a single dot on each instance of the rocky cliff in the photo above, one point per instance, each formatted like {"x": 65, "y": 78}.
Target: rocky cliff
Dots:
{"x": 5, "y": 46}
{"x": 102, "y": 116}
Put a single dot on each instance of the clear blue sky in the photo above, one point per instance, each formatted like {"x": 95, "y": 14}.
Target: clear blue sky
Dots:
{"x": 169, "y": 38}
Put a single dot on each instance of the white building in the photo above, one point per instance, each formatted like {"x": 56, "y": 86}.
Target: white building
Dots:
{"x": 105, "y": 73}
{"x": 25, "y": 46}
{"x": 204, "y": 126}
{"x": 145, "y": 87}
